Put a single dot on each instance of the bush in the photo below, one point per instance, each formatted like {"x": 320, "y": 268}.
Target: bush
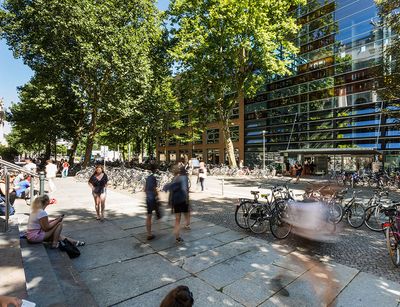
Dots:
{"x": 8, "y": 153}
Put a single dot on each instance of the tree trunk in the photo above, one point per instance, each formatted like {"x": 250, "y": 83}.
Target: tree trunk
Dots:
{"x": 48, "y": 151}
{"x": 73, "y": 151}
{"x": 230, "y": 150}
{"x": 90, "y": 138}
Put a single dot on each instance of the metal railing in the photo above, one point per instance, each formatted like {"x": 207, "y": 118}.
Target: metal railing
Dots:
{"x": 10, "y": 166}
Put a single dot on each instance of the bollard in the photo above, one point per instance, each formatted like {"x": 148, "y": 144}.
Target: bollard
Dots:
{"x": 222, "y": 186}
{"x": 41, "y": 185}
{"x": 7, "y": 192}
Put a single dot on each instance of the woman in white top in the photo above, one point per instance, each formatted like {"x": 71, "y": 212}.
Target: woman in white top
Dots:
{"x": 202, "y": 174}
{"x": 41, "y": 229}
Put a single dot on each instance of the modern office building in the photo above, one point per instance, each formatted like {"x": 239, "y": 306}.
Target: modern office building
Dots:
{"x": 328, "y": 110}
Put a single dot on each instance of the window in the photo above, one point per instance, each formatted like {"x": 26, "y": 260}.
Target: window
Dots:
{"x": 234, "y": 133}
{"x": 212, "y": 136}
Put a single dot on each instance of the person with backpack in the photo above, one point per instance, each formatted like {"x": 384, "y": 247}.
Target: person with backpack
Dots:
{"x": 179, "y": 199}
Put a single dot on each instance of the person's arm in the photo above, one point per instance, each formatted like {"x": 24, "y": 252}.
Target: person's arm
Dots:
{"x": 5, "y": 301}
{"x": 46, "y": 225}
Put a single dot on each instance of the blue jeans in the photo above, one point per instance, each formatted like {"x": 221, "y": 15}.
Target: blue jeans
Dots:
{"x": 65, "y": 172}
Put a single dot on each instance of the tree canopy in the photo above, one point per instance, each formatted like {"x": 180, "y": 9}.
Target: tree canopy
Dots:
{"x": 228, "y": 49}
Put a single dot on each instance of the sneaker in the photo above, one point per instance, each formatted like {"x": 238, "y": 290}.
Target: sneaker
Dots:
{"x": 188, "y": 227}
{"x": 179, "y": 240}
{"x": 151, "y": 237}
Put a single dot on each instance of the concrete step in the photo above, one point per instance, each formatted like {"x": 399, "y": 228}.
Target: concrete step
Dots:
{"x": 12, "y": 277}
{"x": 75, "y": 291}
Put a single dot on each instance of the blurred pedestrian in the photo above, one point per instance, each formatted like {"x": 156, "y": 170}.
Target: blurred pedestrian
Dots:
{"x": 179, "y": 199}
{"x": 65, "y": 169}
{"x": 98, "y": 183}
{"x": 202, "y": 175}
{"x": 299, "y": 169}
{"x": 152, "y": 201}
{"x": 51, "y": 172}
{"x": 30, "y": 166}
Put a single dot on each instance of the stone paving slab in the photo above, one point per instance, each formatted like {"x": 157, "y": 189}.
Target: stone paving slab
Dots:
{"x": 129, "y": 222}
{"x": 155, "y": 228}
{"x": 315, "y": 287}
{"x": 164, "y": 239}
{"x": 121, "y": 281}
{"x": 368, "y": 290}
{"x": 104, "y": 253}
{"x": 103, "y": 232}
{"x": 237, "y": 267}
{"x": 256, "y": 287}
{"x": 189, "y": 248}
{"x": 229, "y": 236}
{"x": 204, "y": 295}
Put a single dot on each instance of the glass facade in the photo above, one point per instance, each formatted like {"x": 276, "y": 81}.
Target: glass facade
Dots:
{"x": 330, "y": 100}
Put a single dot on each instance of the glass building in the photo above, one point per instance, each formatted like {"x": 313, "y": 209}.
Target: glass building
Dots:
{"x": 330, "y": 100}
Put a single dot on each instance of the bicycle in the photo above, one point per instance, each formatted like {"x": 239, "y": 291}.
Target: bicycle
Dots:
{"x": 391, "y": 229}
{"x": 374, "y": 212}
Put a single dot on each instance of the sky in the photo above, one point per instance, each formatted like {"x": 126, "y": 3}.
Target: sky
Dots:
{"x": 13, "y": 72}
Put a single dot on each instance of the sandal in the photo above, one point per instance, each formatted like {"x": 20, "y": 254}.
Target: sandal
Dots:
{"x": 55, "y": 246}
{"x": 188, "y": 227}
{"x": 80, "y": 243}
{"x": 179, "y": 240}
{"x": 151, "y": 237}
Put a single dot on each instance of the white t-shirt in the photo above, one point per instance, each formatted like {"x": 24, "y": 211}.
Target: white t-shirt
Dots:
{"x": 34, "y": 217}
{"x": 30, "y": 167}
{"x": 51, "y": 170}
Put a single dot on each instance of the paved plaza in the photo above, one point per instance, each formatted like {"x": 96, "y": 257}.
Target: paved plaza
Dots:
{"x": 221, "y": 264}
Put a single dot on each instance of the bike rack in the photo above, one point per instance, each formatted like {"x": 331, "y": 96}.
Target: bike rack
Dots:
{"x": 7, "y": 166}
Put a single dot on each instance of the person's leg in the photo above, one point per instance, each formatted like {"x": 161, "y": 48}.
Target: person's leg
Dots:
{"x": 148, "y": 225}
{"x": 66, "y": 172}
{"x": 102, "y": 204}
{"x": 52, "y": 186}
{"x": 97, "y": 205}
{"x": 54, "y": 234}
{"x": 177, "y": 225}
{"x": 202, "y": 183}
{"x": 12, "y": 196}
{"x": 187, "y": 219}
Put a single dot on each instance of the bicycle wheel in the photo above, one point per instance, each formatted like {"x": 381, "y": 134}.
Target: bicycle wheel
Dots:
{"x": 335, "y": 213}
{"x": 374, "y": 218}
{"x": 392, "y": 245}
{"x": 280, "y": 229}
{"x": 258, "y": 219}
{"x": 356, "y": 215}
{"x": 241, "y": 214}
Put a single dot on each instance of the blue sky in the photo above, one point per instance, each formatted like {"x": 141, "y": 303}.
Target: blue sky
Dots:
{"x": 13, "y": 72}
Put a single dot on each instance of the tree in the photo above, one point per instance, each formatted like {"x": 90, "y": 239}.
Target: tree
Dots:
{"x": 389, "y": 70}
{"x": 228, "y": 49}
{"x": 100, "y": 48}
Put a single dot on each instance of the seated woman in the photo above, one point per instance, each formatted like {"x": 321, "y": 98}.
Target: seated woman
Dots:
{"x": 41, "y": 229}
{"x": 12, "y": 194}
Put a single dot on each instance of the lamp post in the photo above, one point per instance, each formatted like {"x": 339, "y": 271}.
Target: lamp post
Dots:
{"x": 263, "y": 149}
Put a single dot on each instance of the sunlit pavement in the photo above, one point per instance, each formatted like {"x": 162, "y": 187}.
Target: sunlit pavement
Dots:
{"x": 221, "y": 266}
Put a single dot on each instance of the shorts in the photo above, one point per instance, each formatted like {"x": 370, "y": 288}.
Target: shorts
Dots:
{"x": 151, "y": 206}
{"x": 35, "y": 235}
{"x": 181, "y": 208}
{"x": 298, "y": 173}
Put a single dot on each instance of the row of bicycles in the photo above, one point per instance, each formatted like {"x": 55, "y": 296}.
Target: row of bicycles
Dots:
{"x": 277, "y": 211}
{"x": 383, "y": 179}
{"x": 129, "y": 179}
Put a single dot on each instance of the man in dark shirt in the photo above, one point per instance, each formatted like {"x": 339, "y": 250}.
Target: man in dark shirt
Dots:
{"x": 151, "y": 200}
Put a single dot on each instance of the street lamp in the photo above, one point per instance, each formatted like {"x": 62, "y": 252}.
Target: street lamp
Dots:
{"x": 263, "y": 149}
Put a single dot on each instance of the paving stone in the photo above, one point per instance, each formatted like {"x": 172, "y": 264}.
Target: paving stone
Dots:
{"x": 203, "y": 294}
{"x": 164, "y": 239}
{"x": 317, "y": 287}
{"x": 219, "y": 254}
{"x": 118, "y": 282}
{"x": 189, "y": 248}
{"x": 368, "y": 290}
{"x": 256, "y": 287}
{"x": 229, "y": 236}
{"x": 102, "y": 233}
{"x": 108, "y": 252}
{"x": 155, "y": 228}
{"x": 129, "y": 222}
{"x": 235, "y": 268}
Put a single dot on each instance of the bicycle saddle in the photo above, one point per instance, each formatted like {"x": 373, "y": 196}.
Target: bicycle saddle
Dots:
{"x": 254, "y": 192}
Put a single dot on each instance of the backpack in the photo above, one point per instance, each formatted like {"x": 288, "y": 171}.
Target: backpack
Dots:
{"x": 3, "y": 210}
{"x": 178, "y": 195}
{"x": 69, "y": 248}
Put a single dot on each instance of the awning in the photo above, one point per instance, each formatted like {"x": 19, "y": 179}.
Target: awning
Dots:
{"x": 334, "y": 151}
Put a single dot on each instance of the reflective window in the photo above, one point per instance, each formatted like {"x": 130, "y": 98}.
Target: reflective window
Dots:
{"x": 212, "y": 136}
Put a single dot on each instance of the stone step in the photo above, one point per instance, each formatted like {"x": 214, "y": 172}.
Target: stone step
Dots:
{"x": 75, "y": 290}
{"x": 12, "y": 277}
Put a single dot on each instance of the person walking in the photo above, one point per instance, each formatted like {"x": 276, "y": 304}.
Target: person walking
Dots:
{"x": 65, "y": 169}
{"x": 151, "y": 200}
{"x": 51, "y": 172}
{"x": 98, "y": 184}
{"x": 202, "y": 175}
{"x": 179, "y": 200}
{"x": 298, "y": 168}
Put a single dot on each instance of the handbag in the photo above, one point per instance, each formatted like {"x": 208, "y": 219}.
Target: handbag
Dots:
{"x": 69, "y": 248}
